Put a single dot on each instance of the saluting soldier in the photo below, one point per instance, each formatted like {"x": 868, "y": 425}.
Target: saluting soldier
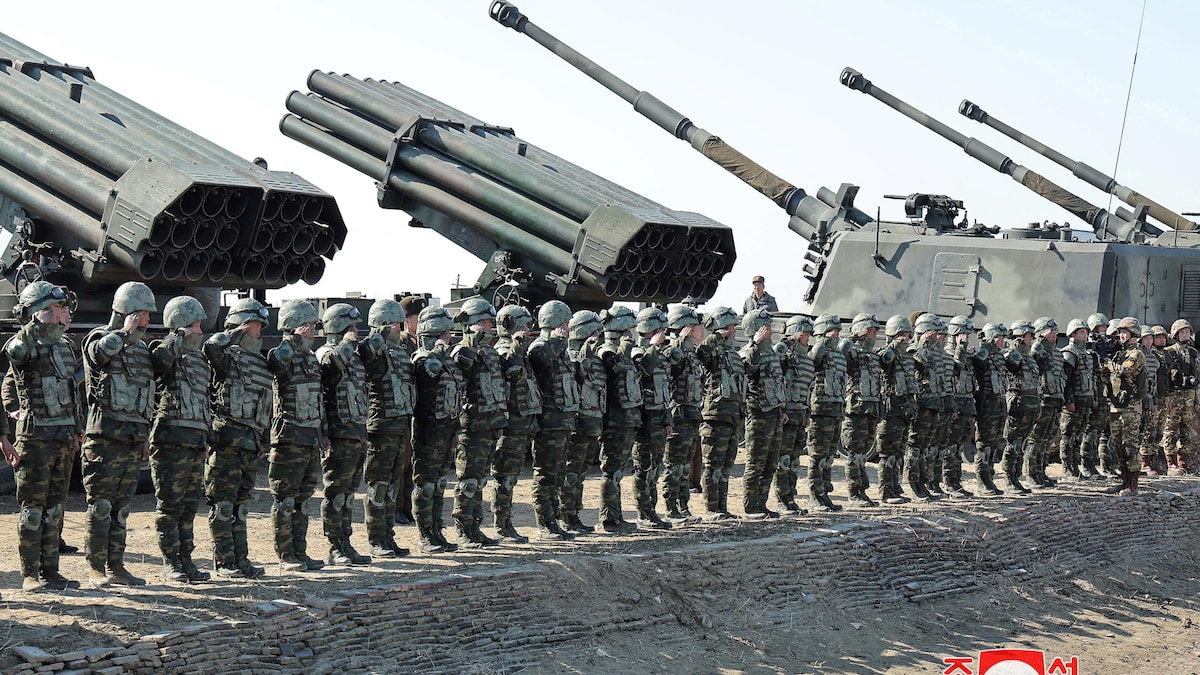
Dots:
{"x": 922, "y": 435}
{"x": 961, "y": 430}
{"x": 583, "y": 344}
{"x": 687, "y": 397}
{"x": 558, "y": 378}
{"x": 899, "y": 409}
{"x": 440, "y": 390}
{"x": 828, "y": 409}
{"x": 864, "y": 406}
{"x": 1050, "y": 368}
{"x": 623, "y": 415}
{"x": 1024, "y": 402}
{"x": 793, "y": 436}
{"x": 654, "y": 359}
{"x": 513, "y": 324}
{"x": 724, "y": 407}
{"x": 1079, "y": 396}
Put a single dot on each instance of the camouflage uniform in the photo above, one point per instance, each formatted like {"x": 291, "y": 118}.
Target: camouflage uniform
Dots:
{"x": 524, "y": 407}
{"x": 1183, "y": 368}
{"x": 1053, "y": 383}
{"x": 1130, "y": 394}
{"x": 440, "y": 387}
{"x": 480, "y": 424}
{"x": 557, "y": 377}
{"x": 864, "y": 406}
{"x": 798, "y": 376}
{"x": 723, "y": 411}
{"x": 922, "y": 434}
{"x": 42, "y": 364}
{"x": 1158, "y": 381}
{"x": 621, "y": 422}
{"x": 687, "y": 395}
{"x": 584, "y": 448}
{"x": 1024, "y": 406}
{"x": 178, "y": 441}
{"x": 828, "y": 406}
{"x": 390, "y": 398}
{"x": 899, "y": 393}
{"x": 1079, "y": 395}
{"x": 990, "y": 367}
{"x": 961, "y": 431}
{"x": 654, "y": 364}
{"x": 1105, "y": 350}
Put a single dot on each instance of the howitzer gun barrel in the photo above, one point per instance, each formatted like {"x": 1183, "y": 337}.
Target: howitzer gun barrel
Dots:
{"x": 1084, "y": 172}
{"x": 1104, "y": 224}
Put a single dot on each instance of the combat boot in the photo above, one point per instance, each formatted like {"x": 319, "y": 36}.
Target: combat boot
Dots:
{"x": 1131, "y": 487}
{"x": 229, "y": 571}
{"x": 919, "y": 491}
{"x": 465, "y": 540}
{"x": 1087, "y": 471}
{"x": 310, "y": 564}
{"x": 428, "y": 544}
{"x": 1174, "y": 467}
{"x": 934, "y": 488}
{"x": 173, "y": 570}
{"x": 1124, "y": 484}
{"x": 1014, "y": 483}
{"x": 119, "y": 576}
{"x": 250, "y": 570}
{"x": 31, "y": 584}
{"x": 987, "y": 486}
{"x": 651, "y": 521}
{"x": 356, "y": 558}
{"x": 194, "y": 573}
{"x": 53, "y": 581}
{"x": 440, "y": 537}
{"x": 858, "y": 497}
{"x": 889, "y": 496}
{"x": 509, "y": 535}
{"x": 546, "y": 533}
{"x": 478, "y": 535}
{"x": 336, "y": 555}
{"x": 380, "y": 549}
{"x": 572, "y": 523}
{"x": 399, "y": 550}
{"x": 1148, "y": 468}
{"x": 290, "y": 563}
{"x": 624, "y": 527}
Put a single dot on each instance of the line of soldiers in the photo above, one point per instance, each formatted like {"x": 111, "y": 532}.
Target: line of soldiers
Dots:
{"x": 402, "y": 405}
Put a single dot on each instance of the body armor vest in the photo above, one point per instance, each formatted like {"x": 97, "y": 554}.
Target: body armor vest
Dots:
{"x": 829, "y": 379}
{"x": 687, "y": 382}
{"x": 297, "y": 395}
{"x": 728, "y": 383}
{"x": 1153, "y": 365}
{"x": 1050, "y": 364}
{"x": 346, "y": 397}
{"x": 1129, "y": 386}
{"x": 560, "y": 389}
{"x": 593, "y": 392}
{"x": 964, "y": 372}
{"x": 1183, "y": 363}
{"x": 902, "y": 374}
{"x": 930, "y": 373}
{"x": 655, "y": 379}
{"x": 47, "y": 384}
{"x": 624, "y": 388}
{"x": 392, "y": 393}
{"x": 440, "y": 396}
{"x": 765, "y": 391}
{"x": 184, "y": 400}
{"x": 524, "y": 394}
{"x": 989, "y": 372}
{"x": 798, "y": 373}
{"x": 124, "y": 388}
{"x": 1081, "y": 385}
{"x": 1025, "y": 382}
{"x": 486, "y": 391}
{"x": 867, "y": 382}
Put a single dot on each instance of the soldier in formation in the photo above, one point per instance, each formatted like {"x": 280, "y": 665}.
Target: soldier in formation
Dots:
{"x": 557, "y": 378}
{"x": 513, "y": 325}
{"x": 798, "y": 373}
{"x": 687, "y": 397}
{"x": 723, "y": 410}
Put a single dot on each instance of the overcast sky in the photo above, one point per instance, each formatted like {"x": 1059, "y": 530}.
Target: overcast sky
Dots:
{"x": 762, "y": 75}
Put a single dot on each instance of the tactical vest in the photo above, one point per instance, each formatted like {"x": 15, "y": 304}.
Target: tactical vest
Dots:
{"x": 687, "y": 381}
{"x": 1081, "y": 386}
{"x": 766, "y": 391}
{"x": 798, "y": 376}
{"x": 1052, "y": 375}
{"x": 245, "y": 396}
{"x": 990, "y": 372}
{"x": 524, "y": 394}
{"x": 867, "y": 382}
{"x": 593, "y": 392}
{"x": 442, "y": 396}
{"x": 902, "y": 374}
{"x": 1183, "y": 360}
{"x": 1026, "y": 382}
{"x": 346, "y": 398}
{"x": 728, "y": 382}
{"x": 298, "y": 394}
{"x": 486, "y": 391}
{"x": 624, "y": 388}
{"x": 560, "y": 389}
{"x": 46, "y": 383}
{"x": 1129, "y": 386}
{"x": 829, "y": 379}
{"x": 1153, "y": 364}
{"x": 655, "y": 379}
{"x": 184, "y": 399}
{"x": 392, "y": 392}
{"x": 964, "y": 373}
{"x": 930, "y": 373}
{"x": 124, "y": 388}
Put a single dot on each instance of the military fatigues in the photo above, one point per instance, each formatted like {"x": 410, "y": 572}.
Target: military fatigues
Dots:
{"x": 43, "y": 372}
{"x": 961, "y": 431}
{"x": 723, "y": 411}
{"x": 621, "y": 421}
{"x": 991, "y": 368}
{"x": 935, "y": 459}
{"x": 344, "y": 385}
{"x": 120, "y": 384}
{"x": 687, "y": 396}
{"x": 440, "y": 388}
{"x": 1105, "y": 350}
{"x": 1024, "y": 406}
{"x": 178, "y": 441}
{"x": 1130, "y": 394}
{"x": 798, "y": 376}
{"x": 931, "y": 398}
{"x": 1043, "y": 436}
{"x": 864, "y": 407}
{"x": 483, "y": 416}
{"x": 1080, "y": 402}
{"x": 298, "y": 432}
{"x": 900, "y": 409}
{"x": 557, "y": 376}
{"x": 654, "y": 367}
{"x": 1183, "y": 368}
{"x": 1159, "y": 385}
{"x": 390, "y": 398}
{"x": 584, "y": 449}
{"x": 524, "y": 407}
{"x": 828, "y": 406}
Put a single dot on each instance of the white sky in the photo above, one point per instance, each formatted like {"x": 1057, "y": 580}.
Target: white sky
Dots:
{"x": 762, "y": 75}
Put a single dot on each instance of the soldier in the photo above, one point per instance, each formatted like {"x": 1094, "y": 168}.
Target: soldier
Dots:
{"x": 344, "y": 385}
{"x": 828, "y": 407}
{"x": 991, "y": 368}
{"x": 1050, "y": 368}
{"x": 583, "y": 345}
{"x": 1103, "y": 348}
{"x": 765, "y": 416}
{"x": 524, "y": 406}
{"x": 1079, "y": 395}
{"x": 797, "y": 382}
{"x": 558, "y": 378}
{"x": 49, "y": 428}
{"x": 654, "y": 359}
{"x": 864, "y": 404}
{"x": 622, "y": 417}
{"x": 1130, "y": 394}
{"x": 937, "y": 456}
{"x": 724, "y": 407}
{"x": 961, "y": 430}
{"x": 298, "y": 429}
{"x": 412, "y": 306}
{"x": 1183, "y": 367}
{"x": 1158, "y": 379}
{"x": 440, "y": 388}
{"x": 1024, "y": 402}
{"x": 390, "y": 398}
{"x": 922, "y": 435}
{"x": 687, "y": 396}
{"x": 241, "y": 417}
{"x": 179, "y": 439}
{"x": 120, "y": 385}
{"x": 899, "y": 407}
{"x": 482, "y": 418}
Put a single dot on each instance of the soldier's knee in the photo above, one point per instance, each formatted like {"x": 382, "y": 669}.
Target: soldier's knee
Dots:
{"x": 100, "y": 509}
{"x": 31, "y": 518}
{"x": 377, "y": 493}
{"x": 570, "y": 480}
{"x": 427, "y": 490}
{"x": 221, "y": 512}
{"x": 441, "y": 484}
{"x": 286, "y": 505}
{"x": 53, "y": 515}
{"x": 243, "y": 511}
{"x": 394, "y": 491}
{"x": 338, "y": 501}
{"x": 686, "y": 470}
{"x": 123, "y": 515}
{"x": 468, "y": 488}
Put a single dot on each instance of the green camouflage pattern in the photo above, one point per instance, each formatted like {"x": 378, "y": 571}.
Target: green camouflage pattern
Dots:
{"x": 387, "y": 455}
{"x": 229, "y": 477}
{"x": 41, "y": 488}
{"x": 615, "y": 447}
{"x": 793, "y": 444}
{"x": 178, "y": 473}
{"x": 293, "y": 471}
{"x": 762, "y": 456}
{"x": 110, "y": 475}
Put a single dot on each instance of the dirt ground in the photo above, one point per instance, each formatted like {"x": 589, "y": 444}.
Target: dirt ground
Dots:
{"x": 1135, "y": 615}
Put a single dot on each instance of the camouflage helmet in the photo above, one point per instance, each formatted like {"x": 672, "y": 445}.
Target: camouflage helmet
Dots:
{"x": 1179, "y": 325}
{"x": 295, "y": 313}
{"x": 339, "y": 317}
{"x": 39, "y": 295}
{"x": 618, "y": 319}
{"x": 650, "y": 320}
{"x": 682, "y": 316}
{"x": 383, "y": 312}
{"x": 1074, "y": 325}
{"x": 475, "y": 310}
{"x": 1159, "y": 330}
{"x": 928, "y": 322}
{"x": 719, "y": 318}
{"x": 248, "y": 309}
{"x": 798, "y": 324}
{"x": 1146, "y": 331}
{"x": 960, "y": 324}
{"x": 1043, "y": 324}
{"x": 755, "y": 319}
{"x": 1131, "y": 324}
{"x": 513, "y": 318}
{"x": 825, "y": 323}
{"x": 897, "y": 324}
{"x": 585, "y": 324}
{"x": 1020, "y": 328}
{"x": 433, "y": 321}
{"x": 553, "y": 314}
{"x": 991, "y": 331}
{"x": 1096, "y": 320}
{"x": 863, "y": 323}
{"x": 183, "y": 311}
{"x": 134, "y": 296}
